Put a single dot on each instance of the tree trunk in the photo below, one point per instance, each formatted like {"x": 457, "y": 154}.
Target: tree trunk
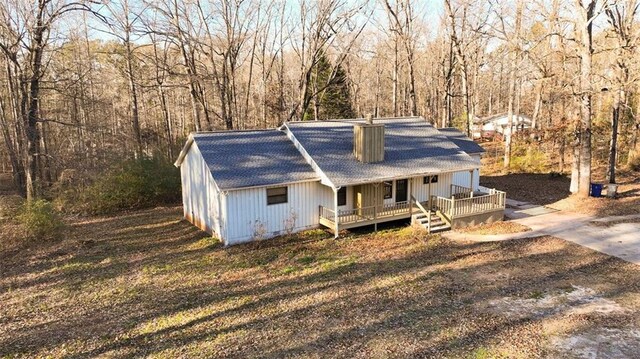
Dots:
{"x": 465, "y": 95}
{"x": 16, "y": 165}
{"x": 618, "y": 100}
{"x": 167, "y": 120}
{"x": 537, "y": 105}
{"x": 634, "y": 145}
{"x": 135, "y": 118}
{"x": 395, "y": 78}
{"x": 513, "y": 77}
{"x": 585, "y": 54}
{"x": 575, "y": 164}
{"x": 31, "y": 126}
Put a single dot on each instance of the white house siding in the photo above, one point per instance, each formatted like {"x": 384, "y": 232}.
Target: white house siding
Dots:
{"x": 462, "y": 178}
{"x": 441, "y": 188}
{"x": 247, "y": 212}
{"x": 199, "y": 194}
{"x": 326, "y": 197}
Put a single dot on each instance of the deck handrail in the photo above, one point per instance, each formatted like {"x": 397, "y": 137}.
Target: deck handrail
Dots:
{"x": 461, "y": 191}
{"x": 327, "y": 213}
{"x": 365, "y": 213}
{"x": 459, "y": 207}
{"x": 424, "y": 211}
{"x": 447, "y": 208}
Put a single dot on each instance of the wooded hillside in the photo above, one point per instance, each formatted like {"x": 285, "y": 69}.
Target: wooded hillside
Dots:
{"x": 86, "y": 84}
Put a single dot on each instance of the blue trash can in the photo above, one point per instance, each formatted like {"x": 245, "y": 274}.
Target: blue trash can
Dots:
{"x": 596, "y": 190}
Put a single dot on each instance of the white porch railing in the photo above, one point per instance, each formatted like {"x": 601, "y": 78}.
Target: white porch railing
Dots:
{"x": 469, "y": 205}
{"x": 349, "y": 216}
{"x": 463, "y": 202}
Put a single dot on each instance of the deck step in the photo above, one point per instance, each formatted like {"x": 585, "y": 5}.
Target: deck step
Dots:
{"x": 441, "y": 228}
{"x": 434, "y": 221}
{"x": 437, "y": 224}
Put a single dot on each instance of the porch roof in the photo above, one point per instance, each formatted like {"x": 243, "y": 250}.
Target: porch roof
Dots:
{"x": 413, "y": 147}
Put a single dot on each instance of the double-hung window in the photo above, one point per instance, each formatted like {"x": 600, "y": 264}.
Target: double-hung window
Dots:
{"x": 277, "y": 195}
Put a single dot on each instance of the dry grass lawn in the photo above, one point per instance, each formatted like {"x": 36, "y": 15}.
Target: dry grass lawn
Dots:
{"x": 149, "y": 284}
{"x": 506, "y": 227}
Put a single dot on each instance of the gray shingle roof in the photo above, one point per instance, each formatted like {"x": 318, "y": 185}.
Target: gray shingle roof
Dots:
{"x": 252, "y": 158}
{"x": 461, "y": 140}
{"x": 412, "y": 147}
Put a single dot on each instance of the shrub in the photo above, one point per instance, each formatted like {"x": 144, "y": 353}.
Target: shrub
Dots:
{"x": 138, "y": 183}
{"x": 527, "y": 157}
{"x": 39, "y": 219}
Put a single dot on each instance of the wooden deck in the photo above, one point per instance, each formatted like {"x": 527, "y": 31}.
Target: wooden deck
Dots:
{"x": 364, "y": 216}
{"x": 462, "y": 203}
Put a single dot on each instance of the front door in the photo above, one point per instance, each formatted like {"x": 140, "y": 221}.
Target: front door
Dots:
{"x": 401, "y": 190}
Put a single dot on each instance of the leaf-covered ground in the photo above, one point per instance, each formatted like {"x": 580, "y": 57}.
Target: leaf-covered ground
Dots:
{"x": 149, "y": 284}
{"x": 503, "y": 227}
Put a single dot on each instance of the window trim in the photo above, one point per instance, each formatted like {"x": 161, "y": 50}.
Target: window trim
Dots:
{"x": 270, "y": 198}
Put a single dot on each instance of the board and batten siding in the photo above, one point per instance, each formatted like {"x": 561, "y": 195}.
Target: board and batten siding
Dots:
{"x": 247, "y": 212}
{"x": 462, "y": 178}
{"x": 442, "y": 188}
{"x": 200, "y": 197}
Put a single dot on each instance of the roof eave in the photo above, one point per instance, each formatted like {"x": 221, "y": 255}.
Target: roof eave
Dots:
{"x": 270, "y": 185}
{"x": 420, "y": 174}
{"x": 184, "y": 151}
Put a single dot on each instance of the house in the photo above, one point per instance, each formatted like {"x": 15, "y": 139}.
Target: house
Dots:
{"x": 489, "y": 126}
{"x": 247, "y": 185}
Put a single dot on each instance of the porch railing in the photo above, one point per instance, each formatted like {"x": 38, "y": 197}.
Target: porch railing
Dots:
{"x": 459, "y": 207}
{"x": 365, "y": 213}
{"x": 461, "y": 191}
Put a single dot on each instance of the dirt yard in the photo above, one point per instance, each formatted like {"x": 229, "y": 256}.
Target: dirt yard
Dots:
{"x": 149, "y": 284}
{"x": 553, "y": 189}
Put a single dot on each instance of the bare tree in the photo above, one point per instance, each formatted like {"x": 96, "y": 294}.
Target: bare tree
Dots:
{"x": 402, "y": 18}
{"x": 24, "y": 37}
{"x": 466, "y": 26}
{"x": 515, "y": 50}
{"x": 321, "y": 23}
{"x": 585, "y": 14}
{"x": 622, "y": 18}
{"x": 121, "y": 20}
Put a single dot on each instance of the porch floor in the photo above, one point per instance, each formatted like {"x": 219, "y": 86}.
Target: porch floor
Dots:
{"x": 352, "y": 221}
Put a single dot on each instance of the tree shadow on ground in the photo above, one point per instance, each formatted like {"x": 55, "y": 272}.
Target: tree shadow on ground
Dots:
{"x": 152, "y": 285}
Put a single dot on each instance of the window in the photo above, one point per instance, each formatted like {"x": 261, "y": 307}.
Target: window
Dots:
{"x": 277, "y": 195}
{"x": 388, "y": 190}
{"x": 434, "y": 179}
{"x": 342, "y": 196}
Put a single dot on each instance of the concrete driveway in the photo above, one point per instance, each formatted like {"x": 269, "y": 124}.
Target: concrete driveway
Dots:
{"x": 604, "y": 235}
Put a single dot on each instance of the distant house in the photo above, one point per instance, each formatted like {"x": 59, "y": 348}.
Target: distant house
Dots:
{"x": 487, "y": 127}
{"x": 247, "y": 185}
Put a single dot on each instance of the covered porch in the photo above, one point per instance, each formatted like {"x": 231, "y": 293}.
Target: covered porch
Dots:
{"x": 460, "y": 206}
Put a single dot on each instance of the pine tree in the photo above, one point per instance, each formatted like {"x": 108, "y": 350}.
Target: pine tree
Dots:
{"x": 333, "y": 96}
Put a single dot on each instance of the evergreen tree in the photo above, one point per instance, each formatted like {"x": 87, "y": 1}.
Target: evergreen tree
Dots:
{"x": 332, "y": 94}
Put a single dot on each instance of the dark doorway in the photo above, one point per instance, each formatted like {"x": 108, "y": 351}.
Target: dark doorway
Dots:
{"x": 401, "y": 190}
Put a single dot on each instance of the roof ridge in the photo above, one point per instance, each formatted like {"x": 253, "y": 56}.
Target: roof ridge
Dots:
{"x": 234, "y": 131}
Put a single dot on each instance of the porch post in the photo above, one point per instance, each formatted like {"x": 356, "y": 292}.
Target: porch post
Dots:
{"x": 471, "y": 182}
{"x": 429, "y": 192}
{"x": 375, "y": 208}
{"x": 335, "y": 207}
